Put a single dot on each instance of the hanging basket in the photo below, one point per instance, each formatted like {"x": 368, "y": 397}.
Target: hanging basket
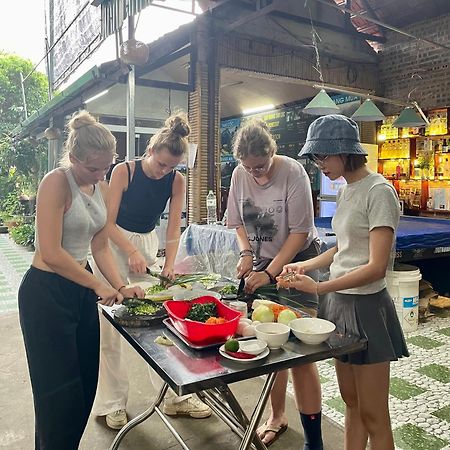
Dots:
{"x": 134, "y": 52}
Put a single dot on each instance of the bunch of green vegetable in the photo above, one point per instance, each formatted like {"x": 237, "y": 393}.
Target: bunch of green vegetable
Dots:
{"x": 155, "y": 289}
{"x": 140, "y": 308}
{"x": 229, "y": 289}
{"x": 207, "y": 279}
{"x": 271, "y": 292}
{"x": 201, "y": 312}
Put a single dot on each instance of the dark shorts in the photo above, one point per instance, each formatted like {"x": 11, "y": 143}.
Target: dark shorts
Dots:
{"x": 370, "y": 316}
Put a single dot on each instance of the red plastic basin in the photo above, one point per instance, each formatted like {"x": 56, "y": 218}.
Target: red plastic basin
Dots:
{"x": 198, "y": 332}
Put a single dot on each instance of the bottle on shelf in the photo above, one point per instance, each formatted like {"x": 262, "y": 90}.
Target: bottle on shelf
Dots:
{"x": 445, "y": 146}
{"x": 447, "y": 168}
{"x": 440, "y": 168}
{"x": 211, "y": 208}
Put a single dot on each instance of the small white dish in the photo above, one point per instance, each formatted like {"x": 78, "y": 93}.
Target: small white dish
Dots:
{"x": 232, "y": 358}
{"x": 312, "y": 330}
{"x": 252, "y": 346}
{"x": 275, "y": 334}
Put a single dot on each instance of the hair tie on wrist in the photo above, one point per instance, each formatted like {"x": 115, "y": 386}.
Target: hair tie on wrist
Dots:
{"x": 271, "y": 278}
{"x": 121, "y": 287}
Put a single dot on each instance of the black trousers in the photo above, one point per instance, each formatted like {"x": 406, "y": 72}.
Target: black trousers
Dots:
{"x": 59, "y": 322}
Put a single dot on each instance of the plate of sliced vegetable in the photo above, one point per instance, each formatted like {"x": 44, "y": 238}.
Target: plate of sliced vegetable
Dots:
{"x": 242, "y": 357}
{"x": 139, "y": 313}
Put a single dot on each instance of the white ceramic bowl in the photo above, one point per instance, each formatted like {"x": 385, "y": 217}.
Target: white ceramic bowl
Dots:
{"x": 311, "y": 330}
{"x": 252, "y": 346}
{"x": 274, "y": 334}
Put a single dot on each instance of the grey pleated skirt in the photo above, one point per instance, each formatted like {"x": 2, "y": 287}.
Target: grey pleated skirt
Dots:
{"x": 370, "y": 316}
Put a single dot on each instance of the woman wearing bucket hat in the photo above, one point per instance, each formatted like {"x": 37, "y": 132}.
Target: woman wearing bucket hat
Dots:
{"x": 355, "y": 297}
{"x": 270, "y": 206}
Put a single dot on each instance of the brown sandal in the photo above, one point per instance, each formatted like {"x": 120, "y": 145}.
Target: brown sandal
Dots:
{"x": 277, "y": 431}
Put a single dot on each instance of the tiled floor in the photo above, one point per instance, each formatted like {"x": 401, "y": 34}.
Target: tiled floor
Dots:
{"x": 420, "y": 384}
{"x": 419, "y": 391}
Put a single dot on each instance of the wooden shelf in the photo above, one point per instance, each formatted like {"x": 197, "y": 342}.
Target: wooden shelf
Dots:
{"x": 393, "y": 159}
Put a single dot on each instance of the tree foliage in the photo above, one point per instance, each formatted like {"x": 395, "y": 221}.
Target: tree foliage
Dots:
{"x": 21, "y": 161}
{"x": 11, "y": 105}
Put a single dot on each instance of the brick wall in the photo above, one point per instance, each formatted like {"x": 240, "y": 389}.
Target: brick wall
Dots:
{"x": 402, "y": 57}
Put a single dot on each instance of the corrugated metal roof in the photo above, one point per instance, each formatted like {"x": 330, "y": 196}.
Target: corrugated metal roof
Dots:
{"x": 114, "y": 12}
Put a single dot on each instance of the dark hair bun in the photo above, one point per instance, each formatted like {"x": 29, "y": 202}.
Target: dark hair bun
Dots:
{"x": 178, "y": 125}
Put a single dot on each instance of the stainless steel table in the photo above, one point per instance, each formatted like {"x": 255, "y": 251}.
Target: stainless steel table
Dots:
{"x": 208, "y": 374}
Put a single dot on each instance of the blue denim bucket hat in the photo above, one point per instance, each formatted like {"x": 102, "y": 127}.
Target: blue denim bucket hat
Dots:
{"x": 333, "y": 134}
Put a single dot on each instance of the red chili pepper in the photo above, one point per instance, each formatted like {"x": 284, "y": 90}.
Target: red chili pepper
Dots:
{"x": 240, "y": 355}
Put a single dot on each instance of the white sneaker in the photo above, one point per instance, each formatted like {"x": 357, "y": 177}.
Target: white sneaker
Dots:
{"x": 117, "y": 419}
{"x": 189, "y": 407}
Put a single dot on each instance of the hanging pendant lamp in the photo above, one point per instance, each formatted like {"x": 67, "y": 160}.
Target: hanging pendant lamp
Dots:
{"x": 368, "y": 112}
{"x": 408, "y": 118}
{"x": 321, "y": 105}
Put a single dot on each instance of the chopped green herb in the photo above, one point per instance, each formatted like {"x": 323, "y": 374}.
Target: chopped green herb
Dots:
{"x": 201, "y": 312}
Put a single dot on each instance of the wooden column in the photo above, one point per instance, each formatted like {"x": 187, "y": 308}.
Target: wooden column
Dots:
{"x": 204, "y": 120}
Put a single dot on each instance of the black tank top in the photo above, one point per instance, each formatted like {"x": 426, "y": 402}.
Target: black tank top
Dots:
{"x": 144, "y": 201}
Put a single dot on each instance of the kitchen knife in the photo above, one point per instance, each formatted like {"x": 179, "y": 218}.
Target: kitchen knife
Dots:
{"x": 162, "y": 278}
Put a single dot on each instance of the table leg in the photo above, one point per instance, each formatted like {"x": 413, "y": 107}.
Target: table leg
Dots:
{"x": 230, "y": 412}
{"x": 258, "y": 411}
{"x": 139, "y": 419}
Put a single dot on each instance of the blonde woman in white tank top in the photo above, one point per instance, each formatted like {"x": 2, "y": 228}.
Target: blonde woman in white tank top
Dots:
{"x": 58, "y": 295}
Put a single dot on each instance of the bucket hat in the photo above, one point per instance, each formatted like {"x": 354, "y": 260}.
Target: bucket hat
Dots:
{"x": 333, "y": 134}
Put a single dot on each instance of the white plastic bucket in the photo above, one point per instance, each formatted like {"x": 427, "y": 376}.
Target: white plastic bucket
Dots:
{"x": 403, "y": 285}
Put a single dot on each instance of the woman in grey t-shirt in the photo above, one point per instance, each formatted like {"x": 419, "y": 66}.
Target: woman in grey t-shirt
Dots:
{"x": 270, "y": 206}
{"x": 357, "y": 301}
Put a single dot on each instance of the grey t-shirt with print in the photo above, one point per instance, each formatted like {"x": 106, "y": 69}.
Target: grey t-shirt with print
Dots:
{"x": 272, "y": 211}
{"x": 362, "y": 206}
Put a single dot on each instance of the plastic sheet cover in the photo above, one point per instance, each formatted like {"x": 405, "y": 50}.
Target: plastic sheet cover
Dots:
{"x": 208, "y": 249}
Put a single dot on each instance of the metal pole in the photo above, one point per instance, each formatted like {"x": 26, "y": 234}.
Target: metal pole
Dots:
{"x": 24, "y": 101}
{"x": 131, "y": 125}
{"x": 131, "y": 92}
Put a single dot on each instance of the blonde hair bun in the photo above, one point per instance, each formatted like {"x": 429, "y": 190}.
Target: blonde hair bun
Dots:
{"x": 86, "y": 136}
{"x": 80, "y": 119}
{"x": 178, "y": 125}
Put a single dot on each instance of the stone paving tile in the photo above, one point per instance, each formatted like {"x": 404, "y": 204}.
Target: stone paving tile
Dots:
{"x": 443, "y": 413}
{"x": 14, "y": 262}
{"x": 336, "y": 403}
{"x": 436, "y": 371}
{"x": 411, "y": 437}
{"x": 424, "y": 342}
{"x": 404, "y": 390}
{"x": 445, "y": 331}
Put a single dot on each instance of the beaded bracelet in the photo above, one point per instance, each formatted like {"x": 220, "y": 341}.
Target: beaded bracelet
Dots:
{"x": 246, "y": 252}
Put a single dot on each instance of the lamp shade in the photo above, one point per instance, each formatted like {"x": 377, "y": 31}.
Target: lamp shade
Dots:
{"x": 408, "y": 118}
{"x": 368, "y": 112}
{"x": 321, "y": 105}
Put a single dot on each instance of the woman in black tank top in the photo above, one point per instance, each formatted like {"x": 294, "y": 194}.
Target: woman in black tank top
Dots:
{"x": 138, "y": 194}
